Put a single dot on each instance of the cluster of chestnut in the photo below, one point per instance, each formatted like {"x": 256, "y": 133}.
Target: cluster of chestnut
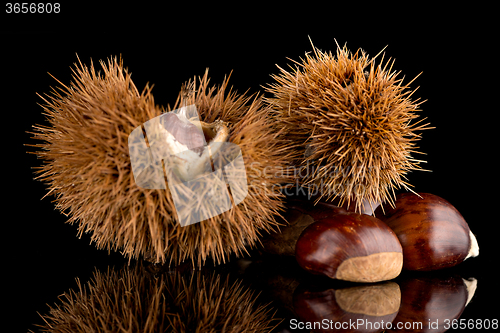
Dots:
{"x": 420, "y": 232}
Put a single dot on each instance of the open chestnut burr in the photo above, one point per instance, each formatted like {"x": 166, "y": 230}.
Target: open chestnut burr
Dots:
{"x": 432, "y": 232}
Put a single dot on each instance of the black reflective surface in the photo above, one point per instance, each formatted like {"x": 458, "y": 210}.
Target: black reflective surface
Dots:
{"x": 265, "y": 293}
{"x": 42, "y": 257}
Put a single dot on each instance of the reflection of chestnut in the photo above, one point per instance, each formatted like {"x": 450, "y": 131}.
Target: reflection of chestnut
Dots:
{"x": 429, "y": 303}
{"x": 352, "y": 247}
{"x": 371, "y": 307}
{"x": 432, "y": 232}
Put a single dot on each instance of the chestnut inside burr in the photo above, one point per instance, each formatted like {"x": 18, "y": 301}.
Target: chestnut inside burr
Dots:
{"x": 188, "y": 134}
{"x": 190, "y": 144}
{"x": 184, "y": 132}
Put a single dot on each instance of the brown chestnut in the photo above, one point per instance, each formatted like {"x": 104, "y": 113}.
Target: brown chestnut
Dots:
{"x": 352, "y": 247}
{"x": 433, "y": 233}
{"x": 299, "y": 215}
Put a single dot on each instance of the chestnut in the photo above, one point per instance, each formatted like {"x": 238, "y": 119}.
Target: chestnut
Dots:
{"x": 432, "y": 232}
{"x": 350, "y": 246}
{"x": 299, "y": 215}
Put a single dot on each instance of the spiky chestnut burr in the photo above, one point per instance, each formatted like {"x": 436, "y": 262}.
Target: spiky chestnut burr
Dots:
{"x": 354, "y": 121}
{"x": 136, "y": 299}
{"x": 87, "y": 167}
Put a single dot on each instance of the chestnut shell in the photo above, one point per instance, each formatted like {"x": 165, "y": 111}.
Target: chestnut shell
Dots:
{"x": 433, "y": 233}
{"x": 299, "y": 215}
{"x": 363, "y": 242}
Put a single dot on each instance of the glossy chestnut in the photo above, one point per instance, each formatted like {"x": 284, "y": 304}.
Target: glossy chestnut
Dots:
{"x": 299, "y": 215}
{"x": 432, "y": 232}
{"x": 351, "y": 247}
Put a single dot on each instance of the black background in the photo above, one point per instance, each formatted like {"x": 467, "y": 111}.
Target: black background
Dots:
{"x": 455, "y": 48}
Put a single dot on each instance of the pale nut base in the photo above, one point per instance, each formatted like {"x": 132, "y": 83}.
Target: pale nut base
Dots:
{"x": 372, "y": 268}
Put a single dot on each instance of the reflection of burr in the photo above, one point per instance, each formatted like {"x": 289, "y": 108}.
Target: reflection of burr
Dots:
{"x": 134, "y": 299}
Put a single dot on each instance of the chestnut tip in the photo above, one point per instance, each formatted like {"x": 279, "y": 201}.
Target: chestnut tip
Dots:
{"x": 474, "y": 246}
{"x": 471, "y": 286}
